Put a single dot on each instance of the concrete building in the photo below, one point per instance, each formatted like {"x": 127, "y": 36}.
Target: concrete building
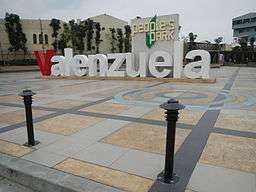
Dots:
{"x": 38, "y": 33}
{"x": 244, "y": 27}
{"x": 39, "y": 36}
{"x": 106, "y": 22}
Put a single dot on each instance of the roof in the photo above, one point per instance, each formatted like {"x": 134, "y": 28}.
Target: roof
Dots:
{"x": 106, "y": 15}
{"x": 248, "y": 15}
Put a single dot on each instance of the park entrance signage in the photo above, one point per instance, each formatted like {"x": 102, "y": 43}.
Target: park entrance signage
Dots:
{"x": 158, "y": 65}
{"x": 156, "y": 52}
{"x": 155, "y": 29}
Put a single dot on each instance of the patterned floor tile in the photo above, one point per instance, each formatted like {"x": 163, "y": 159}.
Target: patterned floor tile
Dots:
{"x": 19, "y": 116}
{"x": 66, "y": 124}
{"x": 64, "y": 104}
{"x": 237, "y": 121}
{"x": 149, "y": 138}
{"x": 185, "y": 116}
{"x": 118, "y": 179}
{"x": 106, "y": 108}
{"x": 14, "y": 149}
{"x": 231, "y": 152}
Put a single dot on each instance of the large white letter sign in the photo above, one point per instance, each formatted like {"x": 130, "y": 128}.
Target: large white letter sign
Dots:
{"x": 204, "y": 63}
{"x": 143, "y": 68}
{"x": 68, "y": 52}
{"x": 178, "y": 59}
{"x": 158, "y": 64}
{"x": 80, "y": 65}
{"x": 93, "y": 64}
{"x": 130, "y": 68}
{"x": 134, "y": 71}
{"x": 119, "y": 60}
{"x": 57, "y": 69}
{"x": 154, "y": 63}
{"x": 63, "y": 67}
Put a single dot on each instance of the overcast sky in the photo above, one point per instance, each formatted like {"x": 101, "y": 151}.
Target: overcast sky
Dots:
{"x": 208, "y": 19}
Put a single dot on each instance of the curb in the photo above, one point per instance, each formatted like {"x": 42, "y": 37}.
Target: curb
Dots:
{"x": 166, "y": 80}
{"x": 41, "y": 178}
{"x": 17, "y": 71}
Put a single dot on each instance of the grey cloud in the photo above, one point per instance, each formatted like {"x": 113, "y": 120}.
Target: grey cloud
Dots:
{"x": 208, "y": 19}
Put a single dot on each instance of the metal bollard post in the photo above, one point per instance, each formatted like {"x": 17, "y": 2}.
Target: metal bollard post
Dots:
{"x": 27, "y": 97}
{"x": 172, "y": 107}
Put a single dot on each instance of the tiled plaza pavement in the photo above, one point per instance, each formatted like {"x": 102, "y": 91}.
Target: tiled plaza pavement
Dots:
{"x": 113, "y": 132}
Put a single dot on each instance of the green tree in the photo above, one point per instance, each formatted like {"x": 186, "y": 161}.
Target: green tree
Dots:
{"x": 81, "y": 33}
{"x": 218, "y": 40}
{"x": 97, "y": 36}
{"x": 113, "y": 39}
{"x": 243, "y": 43}
{"x": 55, "y": 24}
{"x": 252, "y": 40}
{"x": 127, "y": 39}
{"x": 89, "y": 33}
{"x": 72, "y": 32}
{"x": 77, "y": 34}
{"x": 120, "y": 40}
{"x": 192, "y": 37}
{"x": 15, "y": 33}
{"x": 65, "y": 37}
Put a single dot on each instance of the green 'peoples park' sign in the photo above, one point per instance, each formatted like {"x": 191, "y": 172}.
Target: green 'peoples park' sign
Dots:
{"x": 151, "y": 35}
{"x": 156, "y": 30}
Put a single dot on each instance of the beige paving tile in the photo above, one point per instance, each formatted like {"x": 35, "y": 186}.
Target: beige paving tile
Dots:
{"x": 189, "y": 100}
{"x": 11, "y": 99}
{"x": 253, "y": 107}
{"x": 13, "y": 149}
{"x": 241, "y": 122}
{"x": 118, "y": 179}
{"x": 107, "y": 108}
{"x": 149, "y": 138}
{"x": 185, "y": 116}
{"x": 231, "y": 152}
{"x": 66, "y": 124}
{"x": 78, "y": 89}
{"x": 19, "y": 116}
{"x": 197, "y": 102}
{"x": 18, "y": 99}
{"x": 237, "y": 100}
{"x": 66, "y": 103}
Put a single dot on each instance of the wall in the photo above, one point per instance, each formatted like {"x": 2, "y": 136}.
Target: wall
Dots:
{"x": 107, "y": 21}
{"x": 139, "y": 42}
{"x": 30, "y": 27}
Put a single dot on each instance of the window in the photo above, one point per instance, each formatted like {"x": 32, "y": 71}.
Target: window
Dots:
{"x": 46, "y": 39}
{"x": 34, "y": 39}
{"x": 246, "y": 21}
{"x": 253, "y": 19}
{"x": 41, "y": 40}
{"x": 237, "y": 22}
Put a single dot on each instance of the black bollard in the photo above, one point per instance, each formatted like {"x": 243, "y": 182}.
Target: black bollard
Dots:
{"x": 172, "y": 107}
{"x": 27, "y": 97}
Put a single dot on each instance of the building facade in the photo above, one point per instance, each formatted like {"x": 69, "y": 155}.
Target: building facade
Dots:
{"x": 107, "y": 22}
{"x": 39, "y": 36}
{"x": 244, "y": 27}
{"x": 38, "y": 33}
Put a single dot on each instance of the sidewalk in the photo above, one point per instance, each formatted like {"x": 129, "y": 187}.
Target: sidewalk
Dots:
{"x": 98, "y": 135}
{"x": 18, "y": 68}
